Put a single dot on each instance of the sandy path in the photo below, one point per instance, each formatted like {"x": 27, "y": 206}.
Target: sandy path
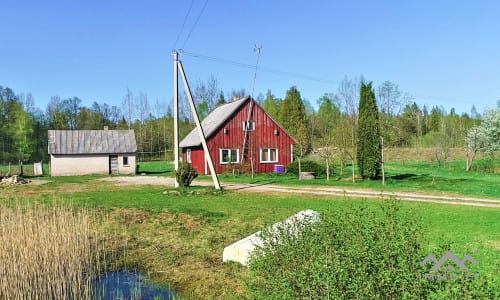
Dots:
{"x": 325, "y": 191}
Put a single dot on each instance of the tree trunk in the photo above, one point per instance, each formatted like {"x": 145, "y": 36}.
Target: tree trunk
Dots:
{"x": 353, "y": 179}
{"x": 300, "y": 169}
{"x": 327, "y": 170}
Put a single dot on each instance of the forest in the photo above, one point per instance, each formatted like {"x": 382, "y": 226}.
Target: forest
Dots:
{"x": 328, "y": 128}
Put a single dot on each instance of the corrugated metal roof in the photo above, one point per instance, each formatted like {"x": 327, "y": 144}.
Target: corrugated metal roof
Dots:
{"x": 91, "y": 141}
{"x": 212, "y": 122}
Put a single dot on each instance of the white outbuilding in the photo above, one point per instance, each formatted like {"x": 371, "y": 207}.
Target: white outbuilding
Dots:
{"x": 83, "y": 152}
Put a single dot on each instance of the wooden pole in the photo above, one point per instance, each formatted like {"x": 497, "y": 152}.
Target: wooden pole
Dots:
{"x": 215, "y": 178}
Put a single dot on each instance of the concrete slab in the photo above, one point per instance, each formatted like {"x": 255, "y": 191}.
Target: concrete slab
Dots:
{"x": 241, "y": 250}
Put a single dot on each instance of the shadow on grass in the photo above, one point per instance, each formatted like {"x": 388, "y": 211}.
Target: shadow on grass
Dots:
{"x": 406, "y": 176}
{"x": 253, "y": 184}
{"x": 154, "y": 172}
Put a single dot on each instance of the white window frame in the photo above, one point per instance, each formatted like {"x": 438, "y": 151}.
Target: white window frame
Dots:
{"x": 230, "y": 158}
{"x": 268, "y": 150}
{"x": 248, "y": 126}
{"x": 188, "y": 155}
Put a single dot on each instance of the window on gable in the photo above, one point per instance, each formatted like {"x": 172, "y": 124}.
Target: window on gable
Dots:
{"x": 268, "y": 155}
{"x": 229, "y": 156}
{"x": 249, "y": 126}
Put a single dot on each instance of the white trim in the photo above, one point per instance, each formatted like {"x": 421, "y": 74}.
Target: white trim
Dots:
{"x": 248, "y": 128}
{"x": 188, "y": 155}
{"x": 268, "y": 155}
{"x": 230, "y": 152}
{"x": 291, "y": 152}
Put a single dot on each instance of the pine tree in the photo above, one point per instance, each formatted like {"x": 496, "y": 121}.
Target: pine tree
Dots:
{"x": 369, "y": 144}
{"x": 292, "y": 111}
{"x": 294, "y": 119}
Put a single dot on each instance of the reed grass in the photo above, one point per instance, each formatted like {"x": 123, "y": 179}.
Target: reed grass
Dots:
{"x": 48, "y": 252}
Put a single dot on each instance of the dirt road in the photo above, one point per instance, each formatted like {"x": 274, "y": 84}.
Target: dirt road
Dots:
{"x": 319, "y": 190}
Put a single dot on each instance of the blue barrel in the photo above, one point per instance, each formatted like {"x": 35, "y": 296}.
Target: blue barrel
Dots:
{"x": 280, "y": 169}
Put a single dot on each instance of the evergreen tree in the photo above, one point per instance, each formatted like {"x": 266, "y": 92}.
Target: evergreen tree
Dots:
{"x": 369, "y": 144}
{"x": 292, "y": 111}
{"x": 221, "y": 99}
{"x": 271, "y": 105}
{"x": 435, "y": 119}
{"x": 294, "y": 119}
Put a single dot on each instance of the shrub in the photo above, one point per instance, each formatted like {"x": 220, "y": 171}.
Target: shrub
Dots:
{"x": 185, "y": 174}
{"x": 307, "y": 166}
{"x": 355, "y": 253}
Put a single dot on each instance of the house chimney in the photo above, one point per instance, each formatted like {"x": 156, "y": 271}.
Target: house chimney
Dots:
{"x": 105, "y": 127}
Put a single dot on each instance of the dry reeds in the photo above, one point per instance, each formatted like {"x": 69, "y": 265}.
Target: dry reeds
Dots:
{"x": 48, "y": 252}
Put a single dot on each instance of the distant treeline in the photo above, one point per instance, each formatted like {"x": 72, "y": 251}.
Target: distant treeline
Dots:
{"x": 403, "y": 123}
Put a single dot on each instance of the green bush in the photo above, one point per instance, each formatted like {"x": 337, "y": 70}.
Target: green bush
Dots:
{"x": 306, "y": 166}
{"x": 185, "y": 174}
{"x": 355, "y": 253}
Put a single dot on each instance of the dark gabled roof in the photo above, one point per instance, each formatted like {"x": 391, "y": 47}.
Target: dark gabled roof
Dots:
{"x": 91, "y": 141}
{"x": 212, "y": 122}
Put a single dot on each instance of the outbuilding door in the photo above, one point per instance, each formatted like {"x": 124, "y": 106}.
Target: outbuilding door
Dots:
{"x": 113, "y": 164}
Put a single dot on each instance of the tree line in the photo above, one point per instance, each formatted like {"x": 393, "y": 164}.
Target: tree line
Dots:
{"x": 331, "y": 130}
{"x": 338, "y": 131}
{"x": 24, "y": 127}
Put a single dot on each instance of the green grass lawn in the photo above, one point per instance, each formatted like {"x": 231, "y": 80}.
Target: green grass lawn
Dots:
{"x": 411, "y": 176}
{"x": 418, "y": 177}
{"x": 178, "y": 236}
{"x": 156, "y": 168}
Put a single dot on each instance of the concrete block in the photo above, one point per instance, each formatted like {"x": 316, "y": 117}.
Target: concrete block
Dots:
{"x": 241, "y": 250}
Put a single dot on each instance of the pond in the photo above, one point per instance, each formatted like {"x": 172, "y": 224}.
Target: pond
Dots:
{"x": 129, "y": 285}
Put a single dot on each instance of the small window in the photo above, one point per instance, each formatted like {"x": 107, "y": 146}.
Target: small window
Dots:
{"x": 125, "y": 160}
{"x": 188, "y": 155}
{"x": 249, "y": 126}
{"x": 229, "y": 156}
{"x": 268, "y": 155}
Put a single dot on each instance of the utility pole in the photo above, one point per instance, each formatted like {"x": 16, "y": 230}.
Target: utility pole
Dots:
{"x": 178, "y": 67}
{"x": 176, "y": 116}
{"x": 246, "y": 137}
{"x": 257, "y": 49}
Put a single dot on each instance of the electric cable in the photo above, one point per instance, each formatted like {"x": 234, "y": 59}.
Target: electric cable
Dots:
{"x": 195, "y": 23}
{"x": 183, "y": 24}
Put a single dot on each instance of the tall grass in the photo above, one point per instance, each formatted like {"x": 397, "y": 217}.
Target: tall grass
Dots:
{"x": 48, "y": 252}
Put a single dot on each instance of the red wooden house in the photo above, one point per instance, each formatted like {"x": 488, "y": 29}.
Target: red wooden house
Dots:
{"x": 239, "y": 133}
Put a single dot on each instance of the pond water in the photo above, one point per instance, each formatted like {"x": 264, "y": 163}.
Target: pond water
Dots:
{"x": 129, "y": 285}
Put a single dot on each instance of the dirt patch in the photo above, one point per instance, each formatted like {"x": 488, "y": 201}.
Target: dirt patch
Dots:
{"x": 39, "y": 181}
{"x": 189, "y": 223}
{"x": 494, "y": 244}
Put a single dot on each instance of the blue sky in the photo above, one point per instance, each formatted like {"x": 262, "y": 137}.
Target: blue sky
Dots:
{"x": 444, "y": 53}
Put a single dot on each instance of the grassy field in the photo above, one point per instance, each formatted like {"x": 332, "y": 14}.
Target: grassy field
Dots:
{"x": 413, "y": 176}
{"x": 177, "y": 237}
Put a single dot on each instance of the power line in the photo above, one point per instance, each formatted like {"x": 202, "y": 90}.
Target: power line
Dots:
{"x": 257, "y": 49}
{"x": 195, "y": 23}
{"x": 183, "y": 24}
{"x": 264, "y": 69}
